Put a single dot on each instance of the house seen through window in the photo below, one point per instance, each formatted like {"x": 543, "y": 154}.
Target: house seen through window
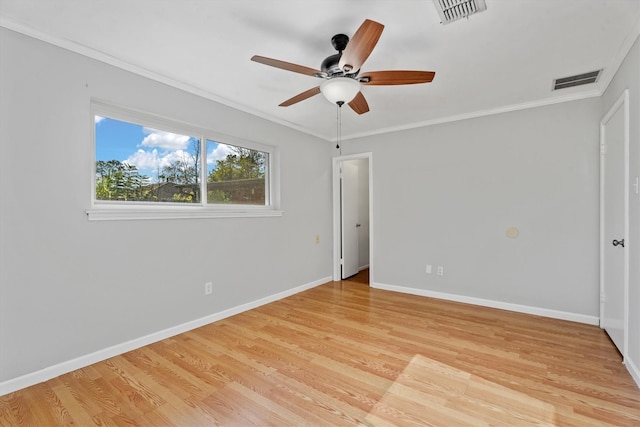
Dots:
{"x": 137, "y": 163}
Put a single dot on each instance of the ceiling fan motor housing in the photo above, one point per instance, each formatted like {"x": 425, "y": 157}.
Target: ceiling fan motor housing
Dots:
{"x": 330, "y": 63}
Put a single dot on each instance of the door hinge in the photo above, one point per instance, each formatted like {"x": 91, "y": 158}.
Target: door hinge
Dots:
{"x": 341, "y": 261}
{"x": 603, "y": 149}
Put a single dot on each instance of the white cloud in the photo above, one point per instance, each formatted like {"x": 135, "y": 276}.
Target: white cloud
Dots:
{"x": 144, "y": 159}
{"x": 150, "y": 162}
{"x": 174, "y": 156}
{"x": 164, "y": 140}
{"x": 98, "y": 119}
{"x": 219, "y": 153}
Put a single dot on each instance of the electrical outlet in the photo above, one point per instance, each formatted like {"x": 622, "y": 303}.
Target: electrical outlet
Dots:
{"x": 208, "y": 288}
{"x": 440, "y": 271}
{"x": 429, "y": 269}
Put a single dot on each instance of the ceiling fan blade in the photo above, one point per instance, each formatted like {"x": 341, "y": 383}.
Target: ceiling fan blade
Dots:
{"x": 301, "y": 96}
{"x": 360, "y": 46}
{"x": 288, "y": 66}
{"x": 396, "y": 77}
{"x": 359, "y": 104}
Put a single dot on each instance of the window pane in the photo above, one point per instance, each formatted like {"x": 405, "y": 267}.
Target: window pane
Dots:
{"x": 236, "y": 175}
{"x": 138, "y": 163}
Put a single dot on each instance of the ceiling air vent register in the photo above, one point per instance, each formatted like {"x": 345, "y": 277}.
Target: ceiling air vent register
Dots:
{"x": 452, "y": 10}
{"x": 577, "y": 80}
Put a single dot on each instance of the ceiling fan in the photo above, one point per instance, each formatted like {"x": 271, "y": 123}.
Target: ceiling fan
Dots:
{"x": 341, "y": 71}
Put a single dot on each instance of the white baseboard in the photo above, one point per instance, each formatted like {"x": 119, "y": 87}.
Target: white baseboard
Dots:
{"x": 100, "y": 355}
{"x": 574, "y": 317}
{"x": 633, "y": 370}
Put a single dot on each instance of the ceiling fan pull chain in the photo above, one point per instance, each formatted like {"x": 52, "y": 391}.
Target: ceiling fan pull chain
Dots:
{"x": 339, "y": 125}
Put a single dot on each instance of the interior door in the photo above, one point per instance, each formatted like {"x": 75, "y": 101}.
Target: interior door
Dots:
{"x": 349, "y": 218}
{"x": 614, "y": 247}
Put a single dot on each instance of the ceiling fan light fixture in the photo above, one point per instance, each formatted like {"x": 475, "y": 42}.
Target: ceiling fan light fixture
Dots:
{"x": 340, "y": 89}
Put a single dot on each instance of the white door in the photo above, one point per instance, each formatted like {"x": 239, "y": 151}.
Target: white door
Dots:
{"x": 349, "y": 218}
{"x": 614, "y": 242}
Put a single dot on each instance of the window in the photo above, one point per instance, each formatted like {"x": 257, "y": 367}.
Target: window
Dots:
{"x": 147, "y": 168}
{"x": 236, "y": 175}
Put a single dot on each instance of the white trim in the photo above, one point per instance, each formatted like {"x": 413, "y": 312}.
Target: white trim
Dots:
{"x": 610, "y": 72}
{"x": 124, "y": 65}
{"x": 475, "y": 114}
{"x": 621, "y": 102}
{"x": 49, "y": 372}
{"x": 102, "y": 210}
{"x": 537, "y": 311}
{"x": 122, "y": 213}
{"x": 106, "y": 108}
{"x": 336, "y": 212}
{"x": 633, "y": 370}
{"x": 605, "y": 80}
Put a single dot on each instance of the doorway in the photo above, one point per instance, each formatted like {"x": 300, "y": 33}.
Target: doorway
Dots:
{"x": 352, "y": 215}
{"x": 614, "y": 223}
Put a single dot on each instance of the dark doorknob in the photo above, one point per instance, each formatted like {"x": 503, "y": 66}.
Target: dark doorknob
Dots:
{"x": 618, "y": 242}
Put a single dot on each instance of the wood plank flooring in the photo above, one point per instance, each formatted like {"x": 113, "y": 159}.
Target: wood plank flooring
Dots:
{"x": 345, "y": 354}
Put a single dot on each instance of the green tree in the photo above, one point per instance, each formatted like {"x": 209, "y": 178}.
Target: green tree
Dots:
{"x": 117, "y": 180}
{"x": 185, "y": 170}
{"x": 242, "y": 163}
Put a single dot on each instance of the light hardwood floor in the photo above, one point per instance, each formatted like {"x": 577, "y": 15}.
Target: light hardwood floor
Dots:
{"x": 345, "y": 354}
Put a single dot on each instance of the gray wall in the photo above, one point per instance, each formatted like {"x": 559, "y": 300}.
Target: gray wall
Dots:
{"x": 628, "y": 77}
{"x": 70, "y": 287}
{"x": 445, "y": 195}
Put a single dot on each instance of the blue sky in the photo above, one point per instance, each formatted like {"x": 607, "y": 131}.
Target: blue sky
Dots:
{"x": 146, "y": 148}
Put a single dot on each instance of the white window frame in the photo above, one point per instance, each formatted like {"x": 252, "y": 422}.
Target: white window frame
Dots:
{"x": 102, "y": 210}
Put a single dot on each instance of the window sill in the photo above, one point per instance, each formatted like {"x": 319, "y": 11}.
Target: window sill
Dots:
{"x": 184, "y": 212}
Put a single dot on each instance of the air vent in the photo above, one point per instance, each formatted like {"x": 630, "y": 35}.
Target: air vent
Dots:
{"x": 577, "y": 80}
{"x": 452, "y": 10}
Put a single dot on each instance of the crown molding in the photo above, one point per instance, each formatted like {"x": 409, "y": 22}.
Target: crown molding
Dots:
{"x": 607, "y": 76}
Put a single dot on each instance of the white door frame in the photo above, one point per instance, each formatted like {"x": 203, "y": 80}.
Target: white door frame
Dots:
{"x": 336, "y": 213}
{"x": 622, "y": 102}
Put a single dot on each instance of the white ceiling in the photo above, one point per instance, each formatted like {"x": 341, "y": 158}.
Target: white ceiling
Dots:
{"x": 501, "y": 59}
